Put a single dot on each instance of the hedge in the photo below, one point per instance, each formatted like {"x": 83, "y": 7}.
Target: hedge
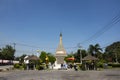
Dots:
{"x": 117, "y": 65}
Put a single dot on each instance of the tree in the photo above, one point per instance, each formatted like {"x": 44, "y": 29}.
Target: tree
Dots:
{"x": 51, "y": 58}
{"x": 1, "y": 56}
{"x": 91, "y": 49}
{"x": 84, "y": 53}
{"x": 7, "y": 52}
{"x": 95, "y": 50}
{"x": 43, "y": 56}
{"x": 78, "y": 55}
{"x": 21, "y": 58}
{"x": 112, "y": 52}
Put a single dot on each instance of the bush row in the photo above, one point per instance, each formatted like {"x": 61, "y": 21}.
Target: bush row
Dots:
{"x": 114, "y": 65}
{"x": 19, "y": 66}
{"x": 24, "y": 66}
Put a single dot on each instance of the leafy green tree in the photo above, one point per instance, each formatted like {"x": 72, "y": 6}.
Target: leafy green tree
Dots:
{"x": 7, "y": 52}
{"x": 112, "y": 52}
{"x": 43, "y": 56}
{"x": 21, "y": 58}
{"x": 51, "y": 58}
{"x": 1, "y": 56}
{"x": 78, "y": 55}
{"x": 84, "y": 53}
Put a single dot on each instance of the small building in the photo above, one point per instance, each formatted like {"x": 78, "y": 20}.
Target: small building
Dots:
{"x": 90, "y": 62}
{"x": 89, "y": 57}
{"x": 28, "y": 59}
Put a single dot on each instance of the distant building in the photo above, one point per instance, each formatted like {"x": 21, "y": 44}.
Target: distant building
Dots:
{"x": 60, "y": 54}
{"x": 27, "y": 60}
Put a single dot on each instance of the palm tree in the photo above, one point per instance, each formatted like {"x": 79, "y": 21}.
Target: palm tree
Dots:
{"x": 95, "y": 50}
{"x": 91, "y": 50}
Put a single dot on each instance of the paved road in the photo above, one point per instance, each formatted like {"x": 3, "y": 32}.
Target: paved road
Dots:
{"x": 61, "y": 75}
{"x": 6, "y": 66}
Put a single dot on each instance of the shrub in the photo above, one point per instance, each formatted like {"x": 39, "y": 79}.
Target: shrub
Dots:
{"x": 99, "y": 65}
{"x": 17, "y": 65}
{"x": 114, "y": 65}
{"x": 40, "y": 67}
{"x": 24, "y": 66}
{"x": 82, "y": 67}
{"x": 20, "y": 66}
{"x": 79, "y": 66}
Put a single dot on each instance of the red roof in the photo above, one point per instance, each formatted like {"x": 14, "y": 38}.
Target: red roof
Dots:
{"x": 71, "y": 58}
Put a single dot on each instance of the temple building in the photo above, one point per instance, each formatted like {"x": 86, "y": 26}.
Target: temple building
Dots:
{"x": 60, "y": 54}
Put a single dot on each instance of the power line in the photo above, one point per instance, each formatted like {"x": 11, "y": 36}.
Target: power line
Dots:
{"x": 21, "y": 44}
{"x": 40, "y": 47}
{"x": 114, "y": 21}
{"x": 25, "y": 51}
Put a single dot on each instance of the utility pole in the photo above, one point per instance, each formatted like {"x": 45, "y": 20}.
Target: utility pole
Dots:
{"x": 79, "y": 47}
{"x": 14, "y": 44}
{"x": 116, "y": 57}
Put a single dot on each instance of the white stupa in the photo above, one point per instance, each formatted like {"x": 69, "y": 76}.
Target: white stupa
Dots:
{"x": 60, "y": 54}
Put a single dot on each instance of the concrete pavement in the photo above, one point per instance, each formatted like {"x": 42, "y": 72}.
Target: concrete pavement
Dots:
{"x": 61, "y": 75}
{"x": 6, "y": 67}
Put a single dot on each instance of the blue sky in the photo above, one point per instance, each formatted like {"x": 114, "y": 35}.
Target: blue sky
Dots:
{"x": 38, "y": 23}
